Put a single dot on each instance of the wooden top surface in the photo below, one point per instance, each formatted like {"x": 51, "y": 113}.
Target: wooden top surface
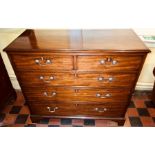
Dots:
{"x": 95, "y": 39}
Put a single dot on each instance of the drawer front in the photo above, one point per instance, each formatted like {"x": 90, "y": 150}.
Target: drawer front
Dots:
{"x": 80, "y": 79}
{"x": 77, "y": 110}
{"x": 39, "y": 62}
{"x": 49, "y": 94}
{"x": 53, "y": 109}
{"x": 85, "y": 95}
{"x": 102, "y": 95}
{"x": 100, "y": 110}
{"x": 109, "y": 63}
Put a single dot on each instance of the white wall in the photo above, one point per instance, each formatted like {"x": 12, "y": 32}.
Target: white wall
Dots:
{"x": 146, "y": 79}
{"x": 6, "y": 37}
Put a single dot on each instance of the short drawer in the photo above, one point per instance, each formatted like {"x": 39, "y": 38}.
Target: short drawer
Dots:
{"x": 108, "y": 80}
{"x": 77, "y": 94}
{"x": 39, "y": 62}
{"x": 109, "y": 63}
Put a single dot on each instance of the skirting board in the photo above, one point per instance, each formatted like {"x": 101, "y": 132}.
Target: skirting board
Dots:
{"x": 139, "y": 86}
{"x": 144, "y": 86}
{"x": 15, "y": 83}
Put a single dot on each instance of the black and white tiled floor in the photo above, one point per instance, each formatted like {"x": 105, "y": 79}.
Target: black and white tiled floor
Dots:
{"x": 141, "y": 112}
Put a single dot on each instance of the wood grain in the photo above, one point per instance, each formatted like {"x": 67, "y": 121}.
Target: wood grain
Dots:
{"x": 27, "y": 62}
{"x": 123, "y": 63}
{"x": 70, "y": 40}
{"x": 49, "y": 79}
{"x": 67, "y": 94}
{"x": 82, "y": 110}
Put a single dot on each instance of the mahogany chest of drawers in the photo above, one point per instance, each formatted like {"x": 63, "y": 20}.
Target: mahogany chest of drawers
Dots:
{"x": 78, "y": 73}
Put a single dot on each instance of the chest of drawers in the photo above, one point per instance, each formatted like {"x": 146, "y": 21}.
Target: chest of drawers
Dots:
{"x": 77, "y": 73}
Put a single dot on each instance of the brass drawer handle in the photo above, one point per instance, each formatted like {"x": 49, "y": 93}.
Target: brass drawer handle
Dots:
{"x": 104, "y": 61}
{"x": 103, "y": 96}
{"x": 49, "y": 79}
{"x": 102, "y": 79}
{"x": 42, "y": 61}
{"x": 52, "y": 94}
{"x": 52, "y": 110}
{"x": 101, "y": 109}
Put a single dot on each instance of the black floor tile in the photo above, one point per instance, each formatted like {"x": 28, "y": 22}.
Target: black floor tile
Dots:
{"x": 90, "y": 122}
{"x": 66, "y": 121}
{"x": 53, "y": 125}
{"x": 2, "y": 116}
{"x": 30, "y": 125}
{"x": 77, "y": 126}
{"x": 143, "y": 112}
{"x": 21, "y": 119}
{"x": 131, "y": 105}
{"x": 44, "y": 121}
{"x": 15, "y": 110}
{"x": 149, "y": 104}
{"x": 135, "y": 121}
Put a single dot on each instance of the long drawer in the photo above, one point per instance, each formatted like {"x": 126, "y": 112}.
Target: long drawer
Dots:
{"x": 33, "y": 79}
{"x": 109, "y": 63}
{"x": 40, "y": 62}
{"x": 77, "y": 110}
{"x": 71, "y": 94}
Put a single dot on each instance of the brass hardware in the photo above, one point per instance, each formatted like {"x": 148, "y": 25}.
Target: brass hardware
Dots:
{"x": 41, "y": 77}
{"x": 102, "y": 61}
{"x": 103, "y": 96}
{"x": 48, "y": 61}
{"x": 53, "y": 109}
{"x": 114, "y": 62}
{"x": 42, "y": 61}
{"x": 37, "y": 61}
{"x": 110, "y": 78}
{"x": 100, "y": 109}
{"x": 52, "y": 94}
{"x": 102, "y": 78}
{"x": 109, "y": 59}
{"x": 50, "y": 78}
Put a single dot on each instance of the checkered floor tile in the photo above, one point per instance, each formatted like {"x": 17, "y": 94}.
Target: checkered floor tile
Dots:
{"x": 141, "y": 112}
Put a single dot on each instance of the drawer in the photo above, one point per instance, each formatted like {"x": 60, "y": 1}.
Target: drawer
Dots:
{"x": 49, "y": 94}
{"x": 109, "y": 63}
{"x": 106, "y": 80}
{"x": 39, "y": 62}
{"x": 71, "y": 94}
{"x": 102, "y": 95}
{"x": 100, "y": 110}
{"x": 53, "y": 109}
{"x": 77, "y": 110}
{"x": 80, "y": 79}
